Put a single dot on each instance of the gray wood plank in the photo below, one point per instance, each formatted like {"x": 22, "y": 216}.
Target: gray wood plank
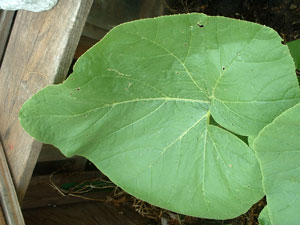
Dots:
{"x": 86, "y": 213}
{"x": 41, "y": 194}
{"x": 39, "y": 52}
{"x": 2, "y": 219}
{"x": 6, "y": 21}
{"x": 8, "y": 197}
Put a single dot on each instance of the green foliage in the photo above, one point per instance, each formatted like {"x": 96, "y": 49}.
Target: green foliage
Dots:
{"x": 294, "y": 47}
{"x": 156, "y": 104}
{"x": 264, "y": 218}
{"x": 278, "y": 149}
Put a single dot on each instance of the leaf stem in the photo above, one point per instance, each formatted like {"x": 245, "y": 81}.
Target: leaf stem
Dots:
{"x": 208, "y": 117}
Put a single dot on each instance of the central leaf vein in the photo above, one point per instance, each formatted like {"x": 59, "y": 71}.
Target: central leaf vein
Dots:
{"x": 124, "y": 102}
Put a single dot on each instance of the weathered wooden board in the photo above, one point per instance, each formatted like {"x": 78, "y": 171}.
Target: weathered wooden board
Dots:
{"x": 8, "y": 197}
{"x": 6, "y": 21}
{"x": 50, "y": 153}
{"x": 43, "y": 205}
{"x": 41, "y": 194}
{"x": 105, "y": 15}
{"x": 93, "y": 32}
{"x": 2, "y": 219}
{"x": 84, "y": 44}
{"x": 87, "y": 213}
{"x": 39, "y": 52}
{"x": 51, "y": 159}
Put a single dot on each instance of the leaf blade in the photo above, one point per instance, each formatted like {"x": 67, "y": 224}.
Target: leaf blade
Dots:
{"x": 277, "y": 148}
{"x": 294, "y": 47}
{"x": 145, "y": 89}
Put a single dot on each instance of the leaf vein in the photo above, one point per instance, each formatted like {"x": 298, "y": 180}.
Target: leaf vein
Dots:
{"x": 177, "y": 59}
{"x": 124, "y": 102}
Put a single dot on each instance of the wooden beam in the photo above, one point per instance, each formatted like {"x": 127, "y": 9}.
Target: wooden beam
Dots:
{"x": 39, "y": 52}
{"x": 41, "y": 194}
{"x": 8, "y": 197}
{"x": 84, "y": 44}
{"x": 6, "y": 21}
{"x": 52, "y": 156}
{"x": 2, "y": 219}
{"x": 85, "y": 213}
{"x": 44, "y": 205}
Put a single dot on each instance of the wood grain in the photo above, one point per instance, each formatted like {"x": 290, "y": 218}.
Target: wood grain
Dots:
{"x": 41, "y": 194}
{"x": 51, "y": 159}
{"x": 84, "y": 44}
{"x": 87, "y": 213}
{"x": 6, "y": 21}
{"x": 8, "y": 197}
{"x": 108, "y": 14}
{"x": 43, "y": 205}
{"x": 2, "y": 219}
{"x": 39, "y": 52}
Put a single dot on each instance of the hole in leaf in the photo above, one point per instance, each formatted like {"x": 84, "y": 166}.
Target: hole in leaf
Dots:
{"x": 78, "y": 89}
{"x": 223, "y": 68}
{"x": 200, "y": 25}
{"x": 185, "y": 44}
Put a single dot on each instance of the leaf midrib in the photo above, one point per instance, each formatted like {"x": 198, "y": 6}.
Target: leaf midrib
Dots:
{"x": 126, "y": 102}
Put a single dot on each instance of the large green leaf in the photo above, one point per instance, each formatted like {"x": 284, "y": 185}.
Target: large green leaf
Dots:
{"x": 278, "y": 150}
{"x": 138, "y": 105}
{"x": 264, "y": 218}
{"x": 294, "y": 47}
